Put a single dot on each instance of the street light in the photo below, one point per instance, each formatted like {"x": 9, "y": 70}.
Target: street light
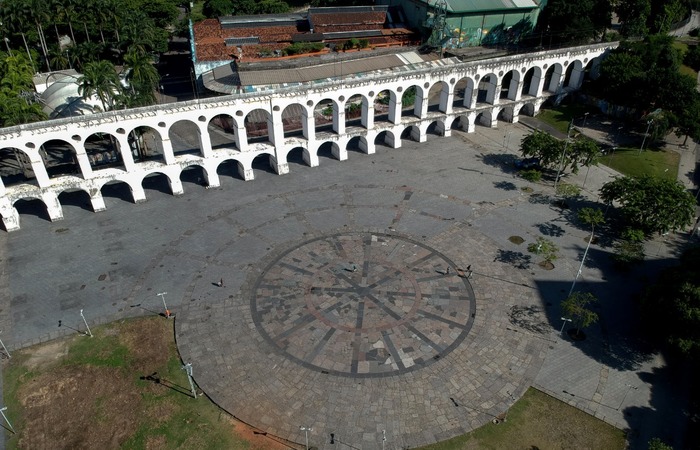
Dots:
{"x": 583, "y": 260}
{"x": 563, "y": 153}
{"x": 564, "y": 323}
{"x": 306, "y": 433}
{"x": 645, "y": 135}
{"x": 585, "y": 116}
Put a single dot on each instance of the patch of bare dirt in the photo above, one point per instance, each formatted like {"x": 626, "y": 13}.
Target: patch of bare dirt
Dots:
{"x": 45, "y": 355}
{"x": 258, "y": 440}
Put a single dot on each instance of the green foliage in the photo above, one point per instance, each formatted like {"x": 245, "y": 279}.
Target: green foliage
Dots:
{"x": 363, "y": 43}
{"x": 652, "y": 205}
{"x": 218, "y": 8}
{"x": 672, "y": 306}
{"x": 658, "y": 444}
{"x": 633, "y": 16}
{"x": 582, "y": 152}
{"x": 300, "y": 48}
{"x": 646, "y": 75}
{"x": 544, "y": 146}
{"x": 544, "y": 248}
{"x": 591, "y": 216}
{"x": 101, "y": 80}
{"x": 409, "y": 97}
{"x": 575, "y": 308}
{"x": 574, "y": 21}
{"x": 692, "y": 57}
{"x": 628, "y": 252}
{"x": 567, "y": 190}
{"x": 16, "y": 107}
{"x": 532, "y": 175}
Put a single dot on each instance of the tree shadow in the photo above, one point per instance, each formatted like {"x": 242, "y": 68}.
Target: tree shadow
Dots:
{"x": 156, "y": 379}
{"x": 505, "y": 185}
{"x": 504, "y": 161}
{"x": 531, "y": 318}
{"x": 518, "y": 260}
{"x": 550, "y": 229}
{"x": 539, "y": 199}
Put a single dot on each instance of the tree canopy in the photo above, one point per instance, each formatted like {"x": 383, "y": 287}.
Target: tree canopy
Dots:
{"x": 550, "y": 150}
{"x": 649, "y": 204}
{"x": 672, "y": 305}
{"x": 575, "y": 307}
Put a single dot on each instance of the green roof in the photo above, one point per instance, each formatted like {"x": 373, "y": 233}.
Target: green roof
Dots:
{"x": 468, "y": 6}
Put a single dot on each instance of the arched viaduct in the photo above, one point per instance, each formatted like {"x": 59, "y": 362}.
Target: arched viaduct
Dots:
{"x": 43, "y": 160}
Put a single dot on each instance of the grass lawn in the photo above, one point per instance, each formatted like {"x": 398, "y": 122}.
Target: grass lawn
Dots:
{"x": 540, "y": 421}
{"x": 560, "y": 118}
{"x": 658, "y": 163}
{"x": 125, "y": 388}
{"x": 122, "y": 388}
{"x": 685, "y": 70}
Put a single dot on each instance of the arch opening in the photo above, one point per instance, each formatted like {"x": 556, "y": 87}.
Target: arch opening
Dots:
{"x": 75, "y": 198}
{"x": 355, "y": 145}
{"x": 463, "y": 93}
{"x": 257, "y": 126}
{"x": 410, "y": 100}
{"x": 32, "y": 207}
{"x": 117, "y": 189}
{"x": 327, "y": 150}
{"x": 157, "y": 182}
{"x": 384, "y": 139}
{"x": 487, "y": 89}
{"x": 221, "y": 129}
{"x": 383, "y": 101}
{"x": 437, "y": 92}
{"x": 103, "y": 151}
{"x": 552, "y": 78}
{"x": 298, "y": 157}
{"x": 263, "y": 163}
{"x": 325, "y": 115}
{"x": 353, "y": 111}
{"x": 230, "y": 168}
{"x": 60, "y": 158}
{"x": 292, "y": 117}
{"x": 433, "y": 129}
{"x": 194, "y": 175}
{"x": 531, "y": 82}
{"x": 16, "y": 167}
{"x": 409, "y": 132}
{"x": 146, "y": 145}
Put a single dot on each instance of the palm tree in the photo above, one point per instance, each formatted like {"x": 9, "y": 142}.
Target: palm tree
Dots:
{"x": 39, "y": 13}
{"x": 59, "y": 59}
{"x": 101, "y": 80}
{"x": 142, "y": 75}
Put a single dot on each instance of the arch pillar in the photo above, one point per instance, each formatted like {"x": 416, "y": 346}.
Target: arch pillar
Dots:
{"x": 275, "y": 128}
{"x": 168, "y": 153}
{"x": 367, "y": 118}
{"x": 82, "y": 159}
{"x": 241, "y": 136}
{"x": 537, "y": 84}
{"x": 338, "y": 118}
{"x": 39, "y": 169}
{"x": 518, "y": 87}
{"x": 125, "y": 151}
{"x": 245, "y": 170}
{"x": 10, "y": 218}
{"x": 444, "y": 128}
{"x": 279, "y": 163}
{"x": 470, "y": 96}
{"x": 210, "y": 175}
{"x": 308, "y": 126}
{"x": 97, "y": 201}
{"x": 367, "y": 146}
{"x": 471, "y": 122}
{"x": 175, "y": 185}
{"x": 492, "y": 92}
{"x": 421, "y": 104}
{"x": 394, "y": 108}
{"x": 53, "y": 206}
{"x": 447, "y": 96}
{"x": 138, "y": 193}
{"x": 204, "y": 140}
{"x": 576, "y": 78}
{"x": 418, "y": 134}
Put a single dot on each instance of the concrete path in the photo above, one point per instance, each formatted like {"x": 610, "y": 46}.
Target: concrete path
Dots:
{"x": 396, "y": 339}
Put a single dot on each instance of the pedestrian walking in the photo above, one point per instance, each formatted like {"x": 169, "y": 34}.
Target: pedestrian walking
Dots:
{"x": 447, "y": 271}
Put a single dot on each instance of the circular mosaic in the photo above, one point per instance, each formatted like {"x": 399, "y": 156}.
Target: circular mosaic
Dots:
{"x": 363, "y": 304}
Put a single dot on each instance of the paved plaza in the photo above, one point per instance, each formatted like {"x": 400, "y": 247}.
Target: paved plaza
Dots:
{"x": 338, "y": 311}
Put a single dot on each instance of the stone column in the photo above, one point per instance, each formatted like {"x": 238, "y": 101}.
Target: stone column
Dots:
{"x": 125, "y": 151}
{"x": 339, "y": 117}
{"x": 394, "y": 107}
{"x": 447, "y": 96}
{"x": 97, "y": 201}
{"x": 367, "y": 118}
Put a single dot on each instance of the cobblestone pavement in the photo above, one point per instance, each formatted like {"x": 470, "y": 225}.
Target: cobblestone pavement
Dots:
{"x": 337, "y": 312}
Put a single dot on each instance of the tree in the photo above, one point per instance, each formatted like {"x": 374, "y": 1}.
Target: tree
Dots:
{"x": 592, "y": 217}
{"x": 101, "y": 80}
{"x": 218, "y": 8}
{"x": 688, "y": 121}
{"x": 658, "y": 444}
{"x": 575, "y": 308}
{"x": 582, "y": 152}
{"x": 652, "y": 205}
{"x": 545, "y": 248}
{"x": 671, "y": 307}
{"x": 142, "y": 76}
{"x": 629, "y": 249}
{"x": 574, "y": 21}
{"x": 633, "y": 16}
{"x": 544, "y": 146}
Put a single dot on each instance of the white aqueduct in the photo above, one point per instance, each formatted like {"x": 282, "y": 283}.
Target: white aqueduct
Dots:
{"x": 87, "y": 153}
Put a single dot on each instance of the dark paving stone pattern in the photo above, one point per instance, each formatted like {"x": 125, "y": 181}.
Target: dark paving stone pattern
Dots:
{"x": 362, "y": 305}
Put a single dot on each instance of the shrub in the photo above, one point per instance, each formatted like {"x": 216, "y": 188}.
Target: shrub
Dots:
{"x": 532, "y": 175}
{"x": 299, "y": 48}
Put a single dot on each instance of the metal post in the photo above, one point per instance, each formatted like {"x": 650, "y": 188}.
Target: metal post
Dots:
{"x": 2, "y": 411}
{"x": 564, "y": 323}
{"x": 563, "y": 154}
{"x": 167, "y": 311}
{"x": 383, "y": 438}
{"x": 5, "y": 348}
{"x": 583, "y": 260}
{"x": 89, "y": 333}
{"x": 306, "y": 434}
{"x": 645, "y": 136}
{"x": 7, "y": 44}
{"x": 585, "y": 116}
{"x": 188, "y": 370}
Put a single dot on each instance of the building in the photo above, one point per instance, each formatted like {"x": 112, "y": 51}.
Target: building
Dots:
{"x": 467, "y": 23}
{"x": 240, "y": 40}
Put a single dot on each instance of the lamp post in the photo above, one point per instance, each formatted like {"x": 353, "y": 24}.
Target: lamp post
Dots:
{"x": 306, "y": 434}
{"x": 564, "y": 323}
{"x": 645, "y": 135}
{"x": 563, "y": 153}
{"x": 167, "y": 311}
{"x": 585, "y": 116}
{"x": 580, "y": 267}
